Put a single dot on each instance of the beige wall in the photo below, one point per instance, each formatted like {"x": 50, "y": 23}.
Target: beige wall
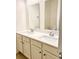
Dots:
{"x": 51, "y": 14}
{"x": 20, "y": 15}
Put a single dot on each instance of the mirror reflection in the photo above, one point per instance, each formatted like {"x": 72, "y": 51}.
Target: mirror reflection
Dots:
{"x": 43, "y": 15}
{"x": 33, "y": 14}
{"x": 51, "y": 14}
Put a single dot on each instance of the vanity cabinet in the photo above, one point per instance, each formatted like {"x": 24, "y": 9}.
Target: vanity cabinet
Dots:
{"x": 35, "y": 52}
{"x": 42, "y": 51}
{"x": 23, "y": 45}
{"x": 34, "y": 49}
{"x": 49, "y": 52}
{"x": 26, "y": 46}
{"x": 47, "y": 55}
{"x": 19, "y": 43}
{"x": 50, "y": 49}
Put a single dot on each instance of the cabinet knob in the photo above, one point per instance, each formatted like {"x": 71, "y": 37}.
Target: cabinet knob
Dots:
{"x": 44, "y": 54}
{"x": 40, "y": 52}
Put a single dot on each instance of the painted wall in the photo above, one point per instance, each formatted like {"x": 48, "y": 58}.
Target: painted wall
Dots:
{"x": 20, "y": 15}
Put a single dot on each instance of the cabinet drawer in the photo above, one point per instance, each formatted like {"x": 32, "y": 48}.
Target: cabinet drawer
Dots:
{"x": 47, "y": 55}
{"x": 50, "y": 49}
{"x": 26, "y": 39}
{"x": 36, "y": 43}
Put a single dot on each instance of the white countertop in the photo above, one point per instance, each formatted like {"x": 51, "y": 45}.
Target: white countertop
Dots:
{"x": 37, "y": 36}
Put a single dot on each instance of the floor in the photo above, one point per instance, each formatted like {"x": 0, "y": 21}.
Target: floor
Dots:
{"x": 20, "y": 56}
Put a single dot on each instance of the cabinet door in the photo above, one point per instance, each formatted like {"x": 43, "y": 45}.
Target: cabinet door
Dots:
{"x": 19, "y": 43}
{"x": 47, "y": 55}
{"x": 26, "y": 48}
{"x": 35, "y": 52}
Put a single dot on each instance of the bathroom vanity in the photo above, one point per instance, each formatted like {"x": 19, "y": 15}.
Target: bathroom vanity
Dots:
{"x": 35, "y": 46}
{"x": 42, "y": 17}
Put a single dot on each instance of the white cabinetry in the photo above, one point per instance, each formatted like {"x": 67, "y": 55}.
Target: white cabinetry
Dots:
{"x": 47, "y": 55}
{"x": 19, "y": 43}
{"x": 34, "y": 49}
{"x": 26, "y": 46}
{"x": 42, "y": 51}
{"x": 35, "y": 52}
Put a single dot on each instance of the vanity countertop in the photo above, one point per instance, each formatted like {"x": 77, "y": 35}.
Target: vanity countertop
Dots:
{"x": 37, "y": 36}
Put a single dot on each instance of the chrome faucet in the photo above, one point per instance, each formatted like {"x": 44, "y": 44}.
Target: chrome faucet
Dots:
{"x": 51, "y": 33}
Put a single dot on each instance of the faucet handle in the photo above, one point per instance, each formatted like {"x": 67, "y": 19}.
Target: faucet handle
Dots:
{"x": 51, "y": 34}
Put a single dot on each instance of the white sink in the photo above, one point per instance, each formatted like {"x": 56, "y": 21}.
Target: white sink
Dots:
{"x": 47, "y": 37}
{"x": 41, "y": 36}
{"x": 34, "y": 33}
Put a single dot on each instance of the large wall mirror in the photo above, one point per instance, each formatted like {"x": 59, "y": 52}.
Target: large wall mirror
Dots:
{"x": 33, "y": 9}
{"x": 49, "y": 15}
{"x": 43, "y": 14}
{"x": 51, "y": 7}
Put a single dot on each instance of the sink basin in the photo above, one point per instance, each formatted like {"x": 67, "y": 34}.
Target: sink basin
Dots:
{"x": 33, "y": 33}
{"x": 40, "y": 35}
{"x": 47, "y": 37}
